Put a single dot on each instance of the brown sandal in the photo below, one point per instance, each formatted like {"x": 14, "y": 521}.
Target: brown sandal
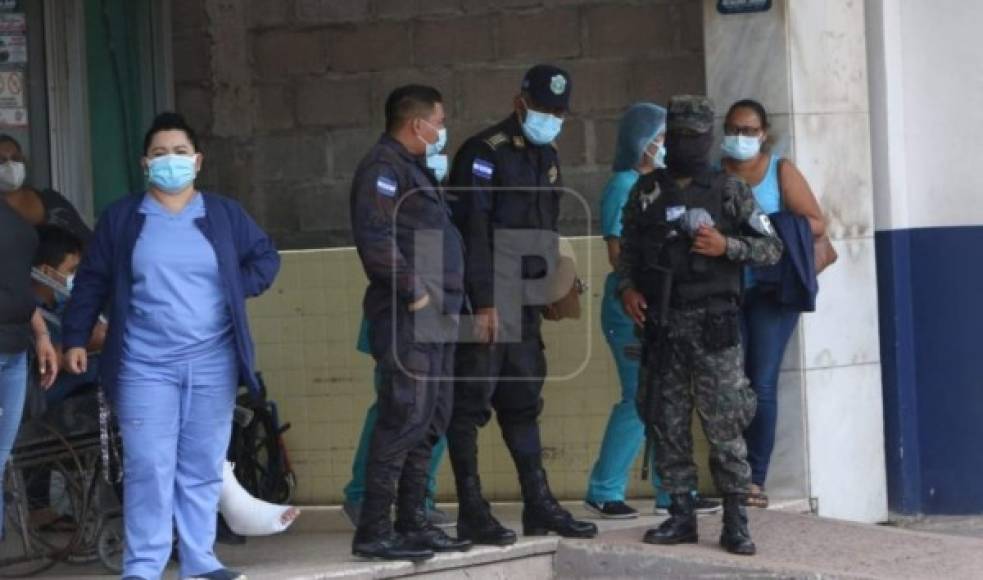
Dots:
{"x": 756, "y": 497}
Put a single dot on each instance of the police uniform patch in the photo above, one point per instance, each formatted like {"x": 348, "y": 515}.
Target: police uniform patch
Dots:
{"x": 553, "y": 174}
{"x": 761, "y": 223}
{"x": 386, "y": 186}
{"x": 675, "y": 212}
{"x": 482, "y": 169}
{"x": 495, "y": 140}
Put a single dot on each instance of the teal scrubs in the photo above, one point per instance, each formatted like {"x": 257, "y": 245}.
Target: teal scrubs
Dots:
{"x": 625, "y": 433}
{"x": 356, "y": 487}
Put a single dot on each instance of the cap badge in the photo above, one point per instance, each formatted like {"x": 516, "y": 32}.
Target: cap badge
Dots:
{"x": 558, "y": 84}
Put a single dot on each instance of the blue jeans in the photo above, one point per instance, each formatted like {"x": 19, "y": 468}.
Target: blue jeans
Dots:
{"x": 766, "y": 327}
{"x": 355, "y": 489}
{"x": 13, "y": 387}
{"x": 625, "y": 433}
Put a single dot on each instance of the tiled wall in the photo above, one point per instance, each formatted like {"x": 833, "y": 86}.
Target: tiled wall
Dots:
{"x": 305, "y": 329}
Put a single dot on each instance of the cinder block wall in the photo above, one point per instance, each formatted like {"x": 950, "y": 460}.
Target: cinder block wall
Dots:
{"x": 288, "y": 94}
{"x": 305, "y": 329}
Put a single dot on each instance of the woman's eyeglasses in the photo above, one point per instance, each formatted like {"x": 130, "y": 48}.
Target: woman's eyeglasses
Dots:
{"x": 742, "y": 130}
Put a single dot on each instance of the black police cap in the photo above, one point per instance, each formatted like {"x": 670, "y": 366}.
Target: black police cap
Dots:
{"x": 548, "y": 86}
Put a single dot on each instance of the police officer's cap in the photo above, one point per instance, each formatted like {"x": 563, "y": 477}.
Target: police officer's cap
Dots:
{"x": 691, "y": 112}
{"x": 548, "y": 86}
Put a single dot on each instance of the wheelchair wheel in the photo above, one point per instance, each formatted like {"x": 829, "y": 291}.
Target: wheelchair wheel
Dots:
{"x": 259, "y": 459}
{"x": 43, "y": 501}
{"x": 109, "y": 544}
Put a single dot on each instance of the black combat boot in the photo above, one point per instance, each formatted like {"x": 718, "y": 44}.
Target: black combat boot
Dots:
{"x": 680, "y": 528}
{"x": 411, "y": 515}
{"x": 542, "y": 514}
{"x": 735, "y": 536}
{"x": 375, "y": 538}
{"x": 475, "y": 521}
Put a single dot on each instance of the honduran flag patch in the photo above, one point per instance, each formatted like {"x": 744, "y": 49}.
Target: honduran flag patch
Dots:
{"x": 482, "y": 169}
{"x": 386, "y": 186}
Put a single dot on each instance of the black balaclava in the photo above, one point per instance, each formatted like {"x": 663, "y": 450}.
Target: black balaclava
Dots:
{"x": 688, "y": 153}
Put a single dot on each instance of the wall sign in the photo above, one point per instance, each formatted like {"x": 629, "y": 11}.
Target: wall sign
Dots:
{"x": 13, "y": 112}
{"x": 742, "y": 6}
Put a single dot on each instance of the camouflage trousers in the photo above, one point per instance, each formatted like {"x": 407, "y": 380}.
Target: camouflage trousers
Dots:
{"x": 714, "y": 379}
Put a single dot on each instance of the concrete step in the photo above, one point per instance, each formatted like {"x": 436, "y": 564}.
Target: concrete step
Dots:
{"x": 790, "y": 545}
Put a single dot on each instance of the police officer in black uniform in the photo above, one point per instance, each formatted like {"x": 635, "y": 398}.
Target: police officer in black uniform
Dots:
{"x": 413, "y": 281}
{"x": 500, "y": 372}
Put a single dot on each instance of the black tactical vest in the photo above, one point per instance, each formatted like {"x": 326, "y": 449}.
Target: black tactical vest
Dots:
{"x": 668, "y": 266}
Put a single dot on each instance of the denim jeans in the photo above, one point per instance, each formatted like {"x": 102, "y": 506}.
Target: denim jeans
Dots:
{"x": 766, "y": 328}
{"x": 13, "y": 387}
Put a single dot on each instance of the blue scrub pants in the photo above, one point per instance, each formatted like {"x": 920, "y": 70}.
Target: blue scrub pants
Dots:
{"x": 767, "y": 326}
{"x": 625, "y": 433}
{"x": 13, "y": 387}
{"x": 355, "y": 489}
{"x": 175, "y": 420}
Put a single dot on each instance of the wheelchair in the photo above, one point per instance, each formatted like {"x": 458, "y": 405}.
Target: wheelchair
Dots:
{"x": 62, "y": 492}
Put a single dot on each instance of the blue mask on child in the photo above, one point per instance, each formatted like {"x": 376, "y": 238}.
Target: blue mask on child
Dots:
{"x": 171, "y": 174}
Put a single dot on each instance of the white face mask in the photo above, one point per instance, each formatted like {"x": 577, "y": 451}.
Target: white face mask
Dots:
{"x": 11, "y": 176}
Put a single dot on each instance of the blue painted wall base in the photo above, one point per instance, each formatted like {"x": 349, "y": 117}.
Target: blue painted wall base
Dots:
{"x": 930, "y": 286}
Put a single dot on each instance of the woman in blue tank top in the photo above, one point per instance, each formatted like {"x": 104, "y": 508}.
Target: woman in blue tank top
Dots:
{"x": 767, "y": 325}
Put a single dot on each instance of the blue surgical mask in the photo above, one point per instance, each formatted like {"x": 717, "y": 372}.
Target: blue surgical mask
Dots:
{"x": 172, "y": 173}
{"x": 541, "y": 128}
{"x": 659, "y": 157}
{"x": 438, "y": 164}
{"x": 436, "y": 147}
{"x": 740, "y": 147}
{"x": 61, "y": 299}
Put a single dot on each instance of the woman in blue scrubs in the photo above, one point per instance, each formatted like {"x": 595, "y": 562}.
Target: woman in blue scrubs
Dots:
{"x": 175, "y": 265}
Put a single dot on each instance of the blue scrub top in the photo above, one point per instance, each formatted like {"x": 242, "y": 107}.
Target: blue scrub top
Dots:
{"x": 613, "y": 201}
{"x": 178, "y": 308}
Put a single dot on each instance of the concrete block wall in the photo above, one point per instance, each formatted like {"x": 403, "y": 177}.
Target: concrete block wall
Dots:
{"x": 288, "y": 94}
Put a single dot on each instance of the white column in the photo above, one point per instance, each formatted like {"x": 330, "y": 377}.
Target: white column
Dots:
{"x": 806, "y": 62}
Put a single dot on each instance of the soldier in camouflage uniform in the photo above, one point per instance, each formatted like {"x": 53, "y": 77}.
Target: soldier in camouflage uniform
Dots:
{"x": 688, "y": 231}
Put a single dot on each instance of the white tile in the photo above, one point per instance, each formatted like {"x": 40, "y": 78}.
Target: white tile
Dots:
{"x": 846, "y": 442}
{"x": 833, "y": 153}
{"x": 747, "y": 57}
{"x": 788, "y": 475}
{"x": 844, "y": 329}
{"x": 828, "y": 56}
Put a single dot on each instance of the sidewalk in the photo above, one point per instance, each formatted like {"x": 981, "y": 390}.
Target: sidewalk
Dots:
{"x": 791, "y": 545}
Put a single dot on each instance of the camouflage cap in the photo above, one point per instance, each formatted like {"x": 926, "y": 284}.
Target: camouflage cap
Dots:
{"x": 693, "y": 112}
